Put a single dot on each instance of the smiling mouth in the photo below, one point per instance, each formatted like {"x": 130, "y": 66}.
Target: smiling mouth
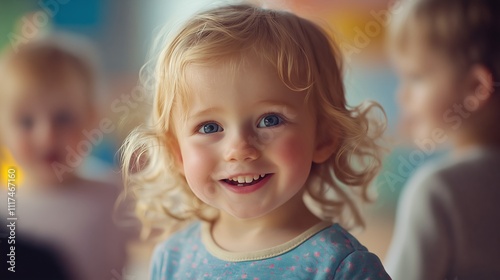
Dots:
{"x": 244, "y": 181}
{"x": 50, "y": 158}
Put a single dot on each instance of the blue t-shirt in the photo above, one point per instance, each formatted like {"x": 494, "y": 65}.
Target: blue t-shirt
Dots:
{"x": 325, "y": 251}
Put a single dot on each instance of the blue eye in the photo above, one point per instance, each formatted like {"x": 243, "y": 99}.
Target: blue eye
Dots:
{"x": 270, "y": 120}
{"x": 210, "y": 128}
{"x": 26, "y": 122}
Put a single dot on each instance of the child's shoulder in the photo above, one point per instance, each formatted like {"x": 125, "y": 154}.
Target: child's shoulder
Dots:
{"x": 347, "y": 257}
{"x": 336, "y": 241}
{"x": 474, "y": 164}
{"x": 175, "y": 243}
{"x": 341, "y": 239}
{"x": 170, "y": 251}
{"x": 448, "y": 177}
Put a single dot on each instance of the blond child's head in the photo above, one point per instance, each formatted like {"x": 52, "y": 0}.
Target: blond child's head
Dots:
{"x": 448, "y": 55}
{"x": 249, "y": 114}
{"x": 46, "y": 100}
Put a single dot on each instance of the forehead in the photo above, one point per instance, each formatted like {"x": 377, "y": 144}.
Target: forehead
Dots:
{"x": 24, "y": 86}
{"x": 413, "y": 49}
{"x": 421, "y": 57}
{"x": 242, "y": 80}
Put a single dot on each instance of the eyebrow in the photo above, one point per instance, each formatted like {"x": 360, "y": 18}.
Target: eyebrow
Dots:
{"x": 204, "y": 111}
{"x": 275, "y": 102}
{"x": 269, "y": 102}
{"x": 283, "y": 106}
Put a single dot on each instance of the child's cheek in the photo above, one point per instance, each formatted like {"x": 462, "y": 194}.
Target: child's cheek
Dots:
{"x": 21, "y": 150}
{"x": 198, "y": 164}
{"x": 294, "y": 153}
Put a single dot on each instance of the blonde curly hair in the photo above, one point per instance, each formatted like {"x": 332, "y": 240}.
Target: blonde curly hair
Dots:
{"x": 306, "y": 59}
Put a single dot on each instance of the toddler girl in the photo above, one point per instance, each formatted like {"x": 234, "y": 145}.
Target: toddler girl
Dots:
{"x": 250, "y": 134}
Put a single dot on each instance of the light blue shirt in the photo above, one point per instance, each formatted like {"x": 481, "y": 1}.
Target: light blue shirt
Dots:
{"x": 329, "y": 253}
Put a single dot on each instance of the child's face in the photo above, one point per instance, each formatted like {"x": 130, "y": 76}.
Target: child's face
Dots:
{"x": 40, "y": 121}
{"x": 242, "y": 125}
{"x": 429, "y": 94}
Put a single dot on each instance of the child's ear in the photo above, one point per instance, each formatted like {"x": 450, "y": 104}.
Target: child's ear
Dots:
{"x": 482, "y": 84}
{"x": 325, "y": 147}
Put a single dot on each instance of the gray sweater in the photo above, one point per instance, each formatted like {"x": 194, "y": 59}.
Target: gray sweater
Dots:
{"x": 448, "y": 221}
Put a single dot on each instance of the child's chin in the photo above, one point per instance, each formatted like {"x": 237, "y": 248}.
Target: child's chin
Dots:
{"x": 45, "y": 175}
{"x": 421, "y": 133}
{"x": 415, "y": 131}
{"x": 406, "y": 138}
{"x": 247, "y": 214}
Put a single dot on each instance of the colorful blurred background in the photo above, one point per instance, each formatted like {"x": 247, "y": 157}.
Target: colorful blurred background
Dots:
{"x": 122, "y": 31}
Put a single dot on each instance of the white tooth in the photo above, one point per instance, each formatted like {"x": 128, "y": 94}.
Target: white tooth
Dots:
{"x": 241, "y": 179}
{"x": 262, "y": 175}
{"x": 234, "y": 179}
{"x": 256, "y": 177}
{"x": 248, "y": 179}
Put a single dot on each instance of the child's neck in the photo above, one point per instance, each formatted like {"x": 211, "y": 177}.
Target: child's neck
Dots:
{"x": 275, "y": 228}
{"x": 480, "y": 131}
{"x": 467, "y": 141}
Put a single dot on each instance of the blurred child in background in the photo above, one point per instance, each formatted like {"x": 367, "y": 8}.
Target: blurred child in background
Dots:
{"x": 47, "y": 99}
{"x": 448, "y": 222}
{"x": 251, "y": 138}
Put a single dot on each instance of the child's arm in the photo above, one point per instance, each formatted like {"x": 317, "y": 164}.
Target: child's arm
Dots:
{"x": 157, "y": 263}
{"x": 421, "y": 242}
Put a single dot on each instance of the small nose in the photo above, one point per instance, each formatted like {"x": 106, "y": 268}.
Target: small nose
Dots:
{"x": 242, "y": 148}
{"x": 46, "y": 135}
